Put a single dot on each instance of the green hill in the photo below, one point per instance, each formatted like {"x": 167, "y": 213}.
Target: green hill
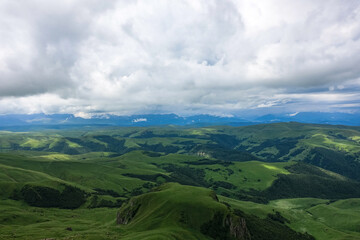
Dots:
{"x": 323, "y": 219}
{"x": 170, "y": 211}
{"x": 173, "y": 211}
{"x": 335, "y": 148}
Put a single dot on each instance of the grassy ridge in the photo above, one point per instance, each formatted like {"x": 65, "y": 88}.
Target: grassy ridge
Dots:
{"x": 20, "y": 221}
{"x": 127, "y": 173}
{"x": 323, "y": 219}
{"x": 174, "y": 211}
{"x": 267, "y": 142}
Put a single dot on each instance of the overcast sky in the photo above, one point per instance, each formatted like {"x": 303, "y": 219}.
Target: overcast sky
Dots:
{"x": 198, "y": 56}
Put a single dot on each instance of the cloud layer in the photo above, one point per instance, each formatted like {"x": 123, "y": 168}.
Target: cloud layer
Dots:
{"x": 217, "y": 56}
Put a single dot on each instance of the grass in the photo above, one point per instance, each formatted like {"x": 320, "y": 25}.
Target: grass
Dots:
{"x": 325, "y": 221}
{"x": 82, "y": 173}
{"x": 160, "y": 212}
{"x": 247, "y": 175}
{"x": 323, "y": 140}
{"x": 201, "y": 131}
{"x": 19, "y": 221}
{"x": 355, "y": 138}
{"x": 13, "y": 178}
{"x": 57, "y": 157}
{"x": 244, "y": 175}
{"x": 342, "y": 215}
{"x": 50, "y": 159}
{"x": 157, "y": 218}
{"x": 106, "y": 173}
{"x": 35, "y": 143}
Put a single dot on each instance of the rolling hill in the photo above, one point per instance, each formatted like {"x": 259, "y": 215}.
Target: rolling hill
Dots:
{"x": 283, "y": 178}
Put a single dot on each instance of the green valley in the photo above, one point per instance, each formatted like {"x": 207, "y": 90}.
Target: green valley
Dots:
{"x": 268, "y": 181}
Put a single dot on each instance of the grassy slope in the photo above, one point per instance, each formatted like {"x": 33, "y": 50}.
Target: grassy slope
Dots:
{"x": 340, "y": 138}
{"x": 279, "y": 141}
{"x": 245, "y": 174}
{"x": 157, "y": 218}
{"x": 175, "y": 212}
{"x": 335, "y": 221}
{"x": 19, "y": 221}
{"x": 90, "y": 170}
{"x": 248, "y": 175}
{"x": 84, "y": 174}
{"x": 12, "y": 178}
{"x": 160, "y": 212}
{"x": 98, "y": 170}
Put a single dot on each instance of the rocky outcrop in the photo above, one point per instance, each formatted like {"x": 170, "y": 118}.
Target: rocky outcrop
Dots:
{"x": 226, "y": 227}
{"x": 237, "y": 227}
{"x": 127, "y": 212}
{"x": 214, "y": 196}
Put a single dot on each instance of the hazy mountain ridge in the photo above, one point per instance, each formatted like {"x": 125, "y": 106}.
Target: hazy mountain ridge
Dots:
{"x": 22, "y": 121}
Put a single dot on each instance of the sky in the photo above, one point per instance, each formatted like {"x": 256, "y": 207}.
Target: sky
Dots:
{"x": 220, "y": 57}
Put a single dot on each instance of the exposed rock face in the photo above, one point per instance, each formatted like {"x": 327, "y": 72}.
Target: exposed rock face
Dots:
{"x": 127, "y": 212}
{"x": 237, "y": 227}
{"x": 226, "y": 227}
{"x": 214, "y": 196}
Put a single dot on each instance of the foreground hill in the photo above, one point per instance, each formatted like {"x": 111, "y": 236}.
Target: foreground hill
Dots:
{"x": 173, "y": 211}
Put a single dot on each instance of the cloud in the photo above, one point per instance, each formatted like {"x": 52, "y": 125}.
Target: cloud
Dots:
{"x": 83, "y": 115}
{"x": 293, "y": 114}
{"x": 139, "y": 120}
{"x": 218, "y": 57}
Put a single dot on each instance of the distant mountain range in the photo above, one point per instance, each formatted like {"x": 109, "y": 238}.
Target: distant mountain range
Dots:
{"x": 24, "y": 121}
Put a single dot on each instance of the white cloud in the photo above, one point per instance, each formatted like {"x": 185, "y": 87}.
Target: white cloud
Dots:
{"x": 136, "y": 120}
{"x": 83, "y": 115}
{"x": 218, "y": 56}
{"x": 293, "y": 114}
